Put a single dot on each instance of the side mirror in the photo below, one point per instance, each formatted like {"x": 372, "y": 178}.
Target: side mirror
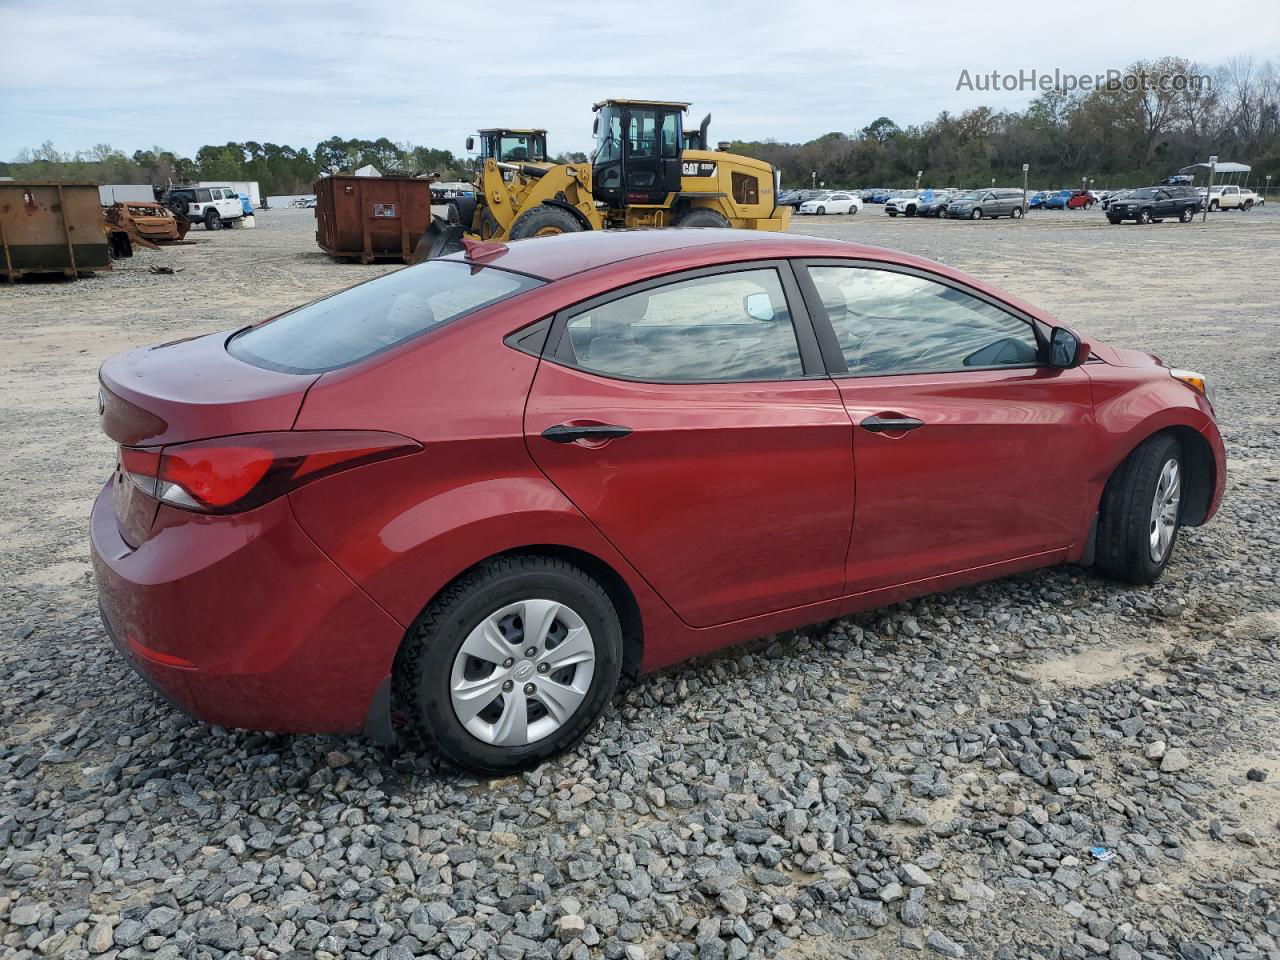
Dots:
{"x": 1066, "y": 350}
{"x": 758, "y": 307}
{"x": 471, "y": 144}
{"x": 595, "y": 126}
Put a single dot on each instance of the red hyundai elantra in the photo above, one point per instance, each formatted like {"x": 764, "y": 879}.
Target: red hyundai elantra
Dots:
{"x": 478, "y": 491}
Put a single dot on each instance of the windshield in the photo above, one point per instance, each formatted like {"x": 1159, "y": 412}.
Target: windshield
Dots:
{"x": 608, "y": 135}
{"x": 365, "y": 319}
{"x": 966, "y": 196}
{"x": 1146, "y": 193}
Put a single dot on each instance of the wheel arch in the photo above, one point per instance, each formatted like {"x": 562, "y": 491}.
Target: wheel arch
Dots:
{"x": 1198, "y": 459}
{"x": 571, "y": 209}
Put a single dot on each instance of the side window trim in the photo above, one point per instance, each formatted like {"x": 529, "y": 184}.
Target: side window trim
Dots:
{"x": 833, "y": 355}
{"x": 559, "y": 349}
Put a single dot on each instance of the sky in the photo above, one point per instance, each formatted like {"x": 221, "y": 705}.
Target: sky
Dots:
{"x": 141, "y": 75}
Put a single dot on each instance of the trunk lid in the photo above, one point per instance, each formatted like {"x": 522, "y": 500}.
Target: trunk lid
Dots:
{"x": 191, "y": 390}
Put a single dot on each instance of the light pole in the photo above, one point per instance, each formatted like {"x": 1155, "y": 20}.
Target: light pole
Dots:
{"x": 813, "y": 180}
{"x": 1025, "y": 168}
{"x": 1208, "y": 191}
{"x": 919, "y": 174}
{"x": 1267, "y": 188}
{"x": 993, "y": 181}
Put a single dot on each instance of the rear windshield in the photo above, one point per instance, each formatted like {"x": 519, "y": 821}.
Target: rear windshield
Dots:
{"x": 374, "y": 316}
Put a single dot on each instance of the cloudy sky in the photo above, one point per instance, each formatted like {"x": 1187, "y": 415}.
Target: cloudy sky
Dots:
{"x": 179, "y": 76}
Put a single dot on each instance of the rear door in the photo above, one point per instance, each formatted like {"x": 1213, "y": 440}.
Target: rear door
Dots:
{"x": 968, "y": 450}
{"x": 690, "y": 419}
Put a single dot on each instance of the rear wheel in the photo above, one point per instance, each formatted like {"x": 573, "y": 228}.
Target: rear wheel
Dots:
{"x": 1141, "y": 512}
{"x": 1188, "y": 214}
{"x": 704, "y": 217}
{"x": 1016, "y": 213}
{"x": 544, "y": 221}
{"x": 511, "y": 665}
{"x": 212, "y": 221}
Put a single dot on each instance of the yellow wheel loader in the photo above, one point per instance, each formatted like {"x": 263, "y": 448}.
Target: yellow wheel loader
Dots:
{"x": 647, "y": 171}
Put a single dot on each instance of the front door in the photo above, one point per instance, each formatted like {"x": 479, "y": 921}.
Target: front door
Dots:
{"x": 968, "y": 450}
{"x": 690, "y": 420}
{"x": 652, "y": 154}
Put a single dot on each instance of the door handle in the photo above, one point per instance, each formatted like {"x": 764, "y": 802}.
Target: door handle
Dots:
{"x": 568, "y": 433}
{"x": 890, "y": 424}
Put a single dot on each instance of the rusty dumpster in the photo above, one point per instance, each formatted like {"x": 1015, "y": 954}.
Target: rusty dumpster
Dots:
{"x": 51, "y": 228}
{"x": 372, "y": 218}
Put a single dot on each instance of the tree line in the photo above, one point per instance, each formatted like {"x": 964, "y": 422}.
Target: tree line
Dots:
{"x": 1118, "y": 137}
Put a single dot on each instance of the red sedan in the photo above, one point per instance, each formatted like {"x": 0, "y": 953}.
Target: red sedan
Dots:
{"x": 476, "y": 492}
{"x": 1081, "y": 200}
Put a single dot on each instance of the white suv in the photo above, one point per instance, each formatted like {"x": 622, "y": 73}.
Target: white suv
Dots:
{"x": 904, "y": 203}
{"x": 209, "y": 205}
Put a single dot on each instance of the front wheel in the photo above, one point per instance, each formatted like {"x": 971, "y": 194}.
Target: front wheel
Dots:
{"x": 1144, "y": 216}
{"x": 977, "y": 214}
{"x": 1141, "y": 512}
{"x": 1214, "y": 207}
{"x": 544, "y": 221}
{"x": 1115, "y": 221}
{"x": 891, "y": 212}
{"x": 511, "y": 664}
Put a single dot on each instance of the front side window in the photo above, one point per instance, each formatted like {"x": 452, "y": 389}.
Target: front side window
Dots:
{"x": 366, "y": 319}
{"x": 729, "y": 326}
{"x": 895, "y": 323}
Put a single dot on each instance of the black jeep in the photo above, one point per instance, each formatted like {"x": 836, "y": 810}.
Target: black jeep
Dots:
{"x": 1153, "y": 204}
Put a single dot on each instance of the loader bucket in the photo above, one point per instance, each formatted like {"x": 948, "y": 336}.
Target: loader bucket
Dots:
{"x": 441, "y": 239}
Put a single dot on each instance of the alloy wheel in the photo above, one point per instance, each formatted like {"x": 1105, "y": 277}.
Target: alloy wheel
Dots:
{"x": 522, "y": 672}
{"x": 1164, "y": 510}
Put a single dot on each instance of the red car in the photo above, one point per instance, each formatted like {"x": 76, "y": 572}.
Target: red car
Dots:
{"x": 476, "y": 492}
{"x": 1081, "y": 199}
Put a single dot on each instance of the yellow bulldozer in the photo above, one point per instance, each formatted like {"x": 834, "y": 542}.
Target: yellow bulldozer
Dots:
{"x": 646, "y": 171}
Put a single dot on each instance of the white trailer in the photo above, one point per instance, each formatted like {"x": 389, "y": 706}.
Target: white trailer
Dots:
{"x": 110, "y": 193}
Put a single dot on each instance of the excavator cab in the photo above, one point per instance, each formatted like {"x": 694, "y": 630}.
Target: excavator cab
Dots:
{"x": 511, "y": 146}
{"x": 637, "y": 153}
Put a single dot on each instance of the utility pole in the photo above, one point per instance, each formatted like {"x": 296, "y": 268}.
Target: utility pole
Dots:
{"x": 919, "y": 174}
{"x": 813, "y": 180}
{"x": 1025, "y": 168}
{"x": 1208, "y": 191}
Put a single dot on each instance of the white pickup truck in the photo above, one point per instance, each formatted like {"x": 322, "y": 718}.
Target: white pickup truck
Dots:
{"x": 1231, "y": 197}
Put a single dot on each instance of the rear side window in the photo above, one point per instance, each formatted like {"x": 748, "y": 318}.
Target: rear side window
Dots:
{"x": 363, "y": 320}
{"x": 203, "y": 196}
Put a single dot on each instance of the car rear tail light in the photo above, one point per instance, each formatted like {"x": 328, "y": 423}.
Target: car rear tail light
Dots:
{"x": 233, "y": 474}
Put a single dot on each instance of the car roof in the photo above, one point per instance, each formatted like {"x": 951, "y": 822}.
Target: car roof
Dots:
{"x": 655, "y": 252}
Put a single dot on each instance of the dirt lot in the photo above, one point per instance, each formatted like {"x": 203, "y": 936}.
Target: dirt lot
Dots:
{"x": 931, "y": 776}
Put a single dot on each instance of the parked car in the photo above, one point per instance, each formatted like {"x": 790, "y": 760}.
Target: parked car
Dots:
{"x": 1114, "y": 197}
{"x": 935, "y": 205}
{"x": 837, "y": 202}
{"x": 1150, "y": 204}
{"x": 211, "y": 206}
{"x": 1260, "y": 200}
{"x": 1037, "y": 200}
{"x": 880, "y": 195}
{"x": 1080, "y": 200}
{"x": 1231, "y": 197}
{"x": 1058, "y": 200}
{"x": 993, "y": 203}
{"x": 488, "y": 486}
{"x": 903, "y": 202}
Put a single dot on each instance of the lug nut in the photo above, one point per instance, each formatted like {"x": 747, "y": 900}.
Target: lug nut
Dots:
{"x": 543, "y": 668}
{"x": 532, "y": 651}
{"x": 529, "y": 688}
{"x": 506, "y": 687}
{"x": 508, "y": 662}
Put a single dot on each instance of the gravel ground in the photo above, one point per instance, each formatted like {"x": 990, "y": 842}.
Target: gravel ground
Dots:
{"x": 1047, "y": 766}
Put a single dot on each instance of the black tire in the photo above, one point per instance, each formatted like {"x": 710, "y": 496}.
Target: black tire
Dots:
{"x": 911, "y": 210}
{"x": 891, "y": 212}
{"x": 821, "y": 210}
{"x": 1016, "y": 213}
{"x": 706, "y": 217}
{"x": 425, "y": 663}
{"x": 1114, "y": 220}
{"x": 1123, "y": 549}
{"x": 976, "y": 214}
{"x": 212, "y": 221}
{"x": 451, "y": 214}
{"x": 1144, "y": 216}
{"x": 543, "y": 221}
{"x": 1214, "y": 206}
{"x": 1187, "y": 215}
{"x": 1248, "y": 205}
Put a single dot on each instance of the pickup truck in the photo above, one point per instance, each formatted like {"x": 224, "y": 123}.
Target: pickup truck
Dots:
{"x": 1231, "y": 197}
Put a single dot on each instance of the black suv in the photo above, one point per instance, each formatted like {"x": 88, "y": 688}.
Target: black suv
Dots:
{"x": 793, "y": 198}
{"x": 1153, "y": 204}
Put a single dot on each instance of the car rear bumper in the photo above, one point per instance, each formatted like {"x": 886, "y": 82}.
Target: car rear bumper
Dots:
{"x": 242, "y": 621}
